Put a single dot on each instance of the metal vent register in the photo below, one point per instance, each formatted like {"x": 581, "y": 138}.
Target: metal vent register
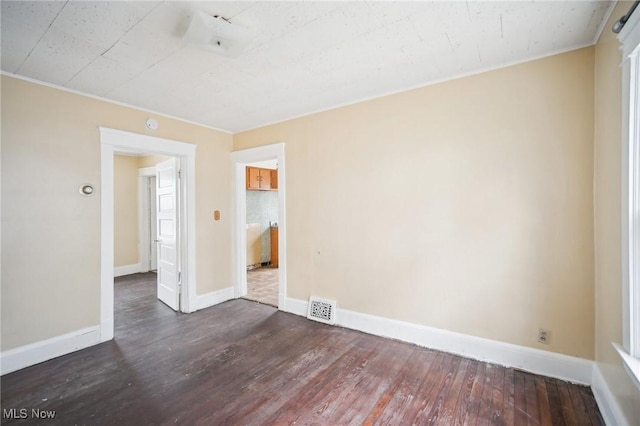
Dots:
{"x": 322, "y": 310}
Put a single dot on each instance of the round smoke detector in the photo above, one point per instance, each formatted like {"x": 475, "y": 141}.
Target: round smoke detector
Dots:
{"x": 152, "y": 124}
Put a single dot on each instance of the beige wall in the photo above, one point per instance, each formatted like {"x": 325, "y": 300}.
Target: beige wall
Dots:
{"x": 125, "y": 210}
{"x": 51, "y": 234}
{"x": 607, "y": 180}
{"x": 465, "y": 205}
{"x": 151, "y": 160}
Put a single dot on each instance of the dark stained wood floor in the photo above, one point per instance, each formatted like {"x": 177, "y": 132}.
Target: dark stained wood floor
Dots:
{"x": 246, "y": 363}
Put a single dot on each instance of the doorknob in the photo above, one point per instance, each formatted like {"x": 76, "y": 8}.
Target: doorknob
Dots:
{"x": 157, "y": 241}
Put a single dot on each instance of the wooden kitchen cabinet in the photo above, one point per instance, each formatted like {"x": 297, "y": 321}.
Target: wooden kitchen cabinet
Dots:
{"x": 274, "y": 180}
{"x": 258, "y": 179}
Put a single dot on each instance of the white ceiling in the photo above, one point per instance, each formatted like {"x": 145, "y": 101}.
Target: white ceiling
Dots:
{"x": 304, "y": 56}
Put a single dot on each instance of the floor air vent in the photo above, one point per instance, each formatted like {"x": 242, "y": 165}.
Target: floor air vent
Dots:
{"x": 322, "y": 310}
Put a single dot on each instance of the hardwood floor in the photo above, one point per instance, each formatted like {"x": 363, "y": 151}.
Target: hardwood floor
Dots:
{"x": 262, "y": 285}
{"x": 246, "y": 363}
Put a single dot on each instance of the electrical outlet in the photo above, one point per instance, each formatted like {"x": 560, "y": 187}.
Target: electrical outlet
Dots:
{"x": 544, "y": 336}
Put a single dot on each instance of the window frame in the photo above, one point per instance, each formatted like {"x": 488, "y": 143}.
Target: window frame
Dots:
{"x": 629, "y": 38}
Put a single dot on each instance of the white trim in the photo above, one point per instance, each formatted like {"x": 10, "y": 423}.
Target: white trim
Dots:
{"x": 239, "y": 160}
{"x": 297, "y": 307}
{"x": 44, "y": 350}
{"x": 631, "y": 364}
{"x": 188, "y": 211}
{"x": 119, "y": 271}
{"x": 111, "y": 101}
{"x": 625, "y": 167}
{"x": 112, "y": 141}
{"x": 630, "y": 199}
{"x": 611, "y": 412}
{"x": 106, "y": 242}
{"x": 632, "y": 210}
{"x": 215, "y": 297}
{"x": 551, "y": 364}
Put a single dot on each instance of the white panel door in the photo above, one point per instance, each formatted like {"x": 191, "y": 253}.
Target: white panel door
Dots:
{"x": 167, "y": 231}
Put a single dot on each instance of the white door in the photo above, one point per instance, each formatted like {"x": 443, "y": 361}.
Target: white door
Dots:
{"x": 167, "y": 231}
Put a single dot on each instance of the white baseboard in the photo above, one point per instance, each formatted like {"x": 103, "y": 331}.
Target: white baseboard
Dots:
{"x": 296, "y": 306}
{"x": 607, "y": 403}
{"x": 119, "y": 271}
{"x": 215, "y": 297}
{"x": 35, "y": 353}
{"x": 551, "y": 364}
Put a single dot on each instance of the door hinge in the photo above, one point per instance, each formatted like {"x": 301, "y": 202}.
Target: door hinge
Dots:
{"x": 179, "y": 173}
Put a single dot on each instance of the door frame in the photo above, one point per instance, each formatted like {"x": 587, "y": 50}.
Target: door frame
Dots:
{"x": 239, "y": 160}
{"x": 144, "y": 221}
{"x": 114, "y": 141}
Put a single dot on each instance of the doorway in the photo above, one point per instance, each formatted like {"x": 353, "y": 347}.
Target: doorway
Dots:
{"x": 240, "y": 160}
{"x": 262, "y": 232}
{"x": 116, "y": 141}
{"x": 135, "y": 248}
